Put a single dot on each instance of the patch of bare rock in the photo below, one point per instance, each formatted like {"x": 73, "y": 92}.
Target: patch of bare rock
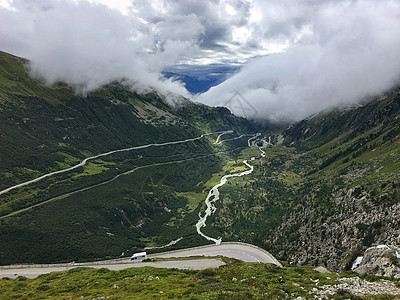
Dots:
{"x": 359, "y": 287}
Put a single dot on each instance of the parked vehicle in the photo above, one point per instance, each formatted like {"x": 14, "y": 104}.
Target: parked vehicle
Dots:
{"x": 139, "y": 256}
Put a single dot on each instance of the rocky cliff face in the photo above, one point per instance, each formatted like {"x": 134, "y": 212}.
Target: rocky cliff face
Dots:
{"x": 336, "y": 240}
{"x": 381, "y": 260}
{"x": 348, "y": 198}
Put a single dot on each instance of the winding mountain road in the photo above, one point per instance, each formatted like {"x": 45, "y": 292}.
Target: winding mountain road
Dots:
{"x": 83, "y": 162}
{"x": 240, "y": 251}
{"x": 63, "y": 196}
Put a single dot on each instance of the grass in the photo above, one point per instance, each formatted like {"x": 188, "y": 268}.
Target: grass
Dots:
{"x": 253, "y": 281}
{"x": 236, "y": 280}
{"x": 14, "y": 80}
{"x": 193, "y": 198}
{"x": 93, "y": 168}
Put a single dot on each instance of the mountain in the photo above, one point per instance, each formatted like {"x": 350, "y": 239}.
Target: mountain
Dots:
{"x": 115, "y": 203}
{"x": 192, "y": 84}
{"x": 327, "y": 190}
{"x": 199, "y": 79}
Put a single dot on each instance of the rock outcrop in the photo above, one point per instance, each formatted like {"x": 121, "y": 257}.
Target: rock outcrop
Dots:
{"x": 381, "y": 260}
{"x": 359, "y": 287}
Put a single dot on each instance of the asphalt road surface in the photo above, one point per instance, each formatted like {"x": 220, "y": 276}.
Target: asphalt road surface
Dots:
{"x": 36, "y": 270}
{"x": 241, "y": 251}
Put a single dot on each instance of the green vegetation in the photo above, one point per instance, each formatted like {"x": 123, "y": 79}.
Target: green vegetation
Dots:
{"x": 339, "y": 167}
{"x": 233, "y": 281}
{"x": 117, "y": 203}
{"x": 15, "y": 82}
{"x": 309, "y": 201}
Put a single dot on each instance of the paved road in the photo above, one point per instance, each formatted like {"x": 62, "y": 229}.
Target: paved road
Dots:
{"x": 241, "y": 251}
{"x": 83, "y": 162}
{"x": 191, "y": 264}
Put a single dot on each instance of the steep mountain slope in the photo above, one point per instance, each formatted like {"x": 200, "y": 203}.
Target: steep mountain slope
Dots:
{"x": 115, "y": 203}
{"x": 329, "y": 190}
{"x": 352, "y": 193}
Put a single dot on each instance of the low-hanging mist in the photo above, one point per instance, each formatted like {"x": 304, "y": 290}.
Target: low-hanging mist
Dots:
{"x": 87, "y": 45}
{"x": 297, "y": 57}
{"x": 350, "y": 52}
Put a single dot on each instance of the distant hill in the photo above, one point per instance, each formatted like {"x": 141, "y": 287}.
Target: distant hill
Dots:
{"x": 200, "y": 79}
{"x": 193, "y": 85}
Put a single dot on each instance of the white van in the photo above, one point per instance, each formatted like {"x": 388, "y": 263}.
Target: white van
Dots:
{"x": 139, "y": 256}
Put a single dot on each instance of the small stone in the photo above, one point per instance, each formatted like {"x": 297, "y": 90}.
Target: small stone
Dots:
{"x": 157, "y": 278}
{"x": 234, "y": 279}
{"x": 115, "y": 286}
{"x": 295, "y": 284}
{"x": 96, "y": 283}
{"x": 150, "y": 278}
{"x": 322, "y": 270}
{"x": 161, "y": 292}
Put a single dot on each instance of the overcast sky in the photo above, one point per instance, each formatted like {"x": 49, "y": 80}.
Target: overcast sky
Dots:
{"x": 297, "y": 57}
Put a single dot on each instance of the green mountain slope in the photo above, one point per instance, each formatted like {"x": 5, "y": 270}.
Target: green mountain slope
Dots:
{"x": 326, "y": 192}
{"x": 116, "y": 203}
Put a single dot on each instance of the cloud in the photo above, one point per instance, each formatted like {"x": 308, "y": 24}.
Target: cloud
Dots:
{"x": 340, "y": 52}
{"x": 297, "y": 56}
{"x": 88, "y": 44}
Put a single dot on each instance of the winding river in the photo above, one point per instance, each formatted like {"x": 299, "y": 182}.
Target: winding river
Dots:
{"x": 213, "y": 196}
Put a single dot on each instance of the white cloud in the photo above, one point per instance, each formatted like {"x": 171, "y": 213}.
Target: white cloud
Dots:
{"x": 330, "y": 51}
{"x": 86, "y": 44}
{"x": 339, "y": 52}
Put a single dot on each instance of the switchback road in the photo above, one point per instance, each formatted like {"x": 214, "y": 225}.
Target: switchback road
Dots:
{"x": 83, "y": 162}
